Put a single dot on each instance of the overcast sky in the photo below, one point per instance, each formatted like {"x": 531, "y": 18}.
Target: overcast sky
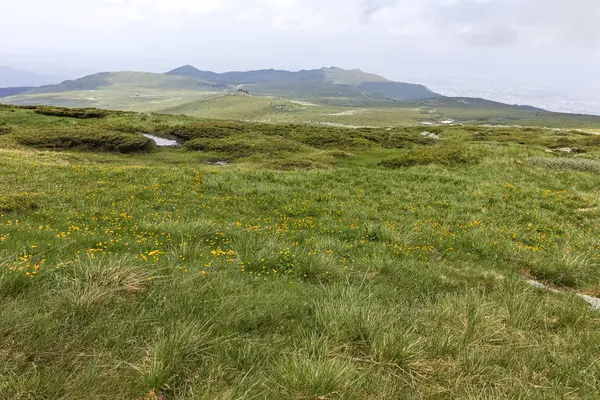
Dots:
{"x": 553, "y": 43}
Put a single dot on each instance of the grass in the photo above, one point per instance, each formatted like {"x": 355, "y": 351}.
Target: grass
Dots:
{"x": 153, "y": 275}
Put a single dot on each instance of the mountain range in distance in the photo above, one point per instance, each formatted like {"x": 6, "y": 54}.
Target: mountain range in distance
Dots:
{"x": 327, "y": 95}
{"x": 324, "y": 82}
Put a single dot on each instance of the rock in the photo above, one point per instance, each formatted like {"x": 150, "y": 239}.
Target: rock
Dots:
{"x": 217, "y": 162}
{"x": 431, "y": 135}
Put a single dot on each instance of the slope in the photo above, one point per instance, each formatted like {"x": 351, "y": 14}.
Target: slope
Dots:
{"x": 130, "y": 79}
{"x": 324, "y": 82}
{"x": 138, "y": 91}
{"x": 229, "y": 78}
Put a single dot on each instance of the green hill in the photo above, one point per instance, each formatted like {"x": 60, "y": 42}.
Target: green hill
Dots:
{"x": 129, "y": 79}
{"x": 135, "y": 91}
{"x": 350, "y": 98}
{"x": 324, "y": 82}
{"x": 229, "y": 78}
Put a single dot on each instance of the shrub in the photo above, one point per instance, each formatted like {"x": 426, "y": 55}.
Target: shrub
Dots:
{"x": 244, "y": 146}
{"x": 4, "y": 128}
{"x": 88, "y": 140}
{"x": 17, "y": 202}
{"x": 333, "y": 140}
{"x": 440, "y": 154}
{"x": 82, "y": 113}
{"x": 565, "y": 164}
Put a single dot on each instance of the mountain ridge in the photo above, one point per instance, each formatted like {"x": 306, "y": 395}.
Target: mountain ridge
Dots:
{"x": 326, "y": 81}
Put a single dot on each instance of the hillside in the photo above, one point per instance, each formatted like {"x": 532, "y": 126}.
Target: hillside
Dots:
{"x": 128, "y": 79}
{"x": 324, "y": 82}
{"x": 330, "y": 96}
{"x": 127, "y": 90}
{"x": 229, "y": 78}
{"x": 293, "y": 261}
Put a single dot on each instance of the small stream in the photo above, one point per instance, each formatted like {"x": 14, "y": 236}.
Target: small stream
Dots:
{"x": 162, "y": 142}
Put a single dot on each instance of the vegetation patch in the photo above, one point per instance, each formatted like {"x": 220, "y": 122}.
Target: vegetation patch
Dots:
{"x": 82, "y": 113}
{"x": 4, "y": 128}
{"x": 244, "y": 146}
{"x": 88, "y": 140}
{"x": 18, "y": 202}
{"x": 566, "y": 164}
{"x": 445, "y": 154}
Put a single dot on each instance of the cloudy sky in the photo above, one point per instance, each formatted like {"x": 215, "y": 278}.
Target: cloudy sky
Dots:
{"x": 454, "y": 45}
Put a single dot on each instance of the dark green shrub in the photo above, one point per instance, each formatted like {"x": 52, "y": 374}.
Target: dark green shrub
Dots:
{"x": 17, "y": 202}
{"x": 88, "y": 141}
{"x": 440, "y": 154}
{"x": 211, "y": 129}
{"x": 83, "y": 113}
{"x": 4, "y": 128}
{"x": 331, "y": 140}
{"x": 244, "y": 146}
{"x": 566, "y": 164}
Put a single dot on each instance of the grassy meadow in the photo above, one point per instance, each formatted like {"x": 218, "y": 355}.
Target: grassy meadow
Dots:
{"x": 320, "y": 263}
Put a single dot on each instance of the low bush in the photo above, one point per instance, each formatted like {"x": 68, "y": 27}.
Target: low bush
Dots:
{"x": 197, "y": 130}
{"x": 82, "y": 113}
{"x": 566, "y": 164}
{"x": 88, "y": 141}
{"x": 244, "y": 146}
{"x": 440, "y": 154}
{"x": 17, "y": 202}
{"x": 4, "y": 128}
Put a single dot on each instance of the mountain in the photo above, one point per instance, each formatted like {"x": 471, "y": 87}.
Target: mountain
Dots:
{"x": 324, "y": 82}
{"x": 11, "y": 77}
{"x": 352, "y": 98}
{"x": 229, "y": 78}
{"x": 128, "y": 80}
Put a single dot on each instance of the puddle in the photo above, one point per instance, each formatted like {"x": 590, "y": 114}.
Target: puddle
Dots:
{"x": 162, "y": 142}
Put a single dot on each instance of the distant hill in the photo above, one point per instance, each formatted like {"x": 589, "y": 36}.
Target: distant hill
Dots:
{"x": 324, "y": 82}
{"x": 90, "y": 82}
{"x": 127, "y": 80}
{"x": 229, "y": 78}
{"x": 12, "y": 77}
{"x": 352, "y": 98}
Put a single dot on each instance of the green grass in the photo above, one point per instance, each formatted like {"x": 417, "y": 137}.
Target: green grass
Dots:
{"x": 302, "y": 270}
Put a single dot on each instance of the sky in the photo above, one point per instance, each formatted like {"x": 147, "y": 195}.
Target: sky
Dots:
{"x": 465, "y": 47}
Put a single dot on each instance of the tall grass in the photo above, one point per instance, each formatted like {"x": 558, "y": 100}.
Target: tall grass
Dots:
{"x": 157, "y": 276}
